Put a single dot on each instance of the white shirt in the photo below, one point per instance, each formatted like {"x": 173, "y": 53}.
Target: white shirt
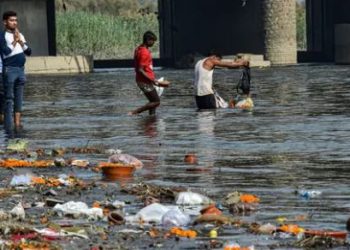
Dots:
{"x": 203, "y": 79}
{"x": 17, "y": 49}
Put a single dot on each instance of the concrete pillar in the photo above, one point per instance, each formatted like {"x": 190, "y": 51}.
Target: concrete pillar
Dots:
{"x": 280, "y": 31}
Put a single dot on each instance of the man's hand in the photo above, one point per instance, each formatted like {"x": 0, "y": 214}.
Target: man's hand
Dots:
{"x": 17, "y": 38}
{"x": 164, "y": 83}
{"x": 243, "y": 63}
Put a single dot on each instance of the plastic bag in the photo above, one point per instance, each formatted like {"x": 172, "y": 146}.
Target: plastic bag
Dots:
{"x": 175, "y": 217}
{"x": 159, "y": 89}
{"x": 18, "y": 211}
{"x": 246, "y": 103}
{"x": 21, "y": 180}
{"x": 152, "y": 213}
{"x": 190, "y": 198}
{"x": 78, "y": 209}
{"x": 220, "y": 102}
{"x": 125, "y": 159}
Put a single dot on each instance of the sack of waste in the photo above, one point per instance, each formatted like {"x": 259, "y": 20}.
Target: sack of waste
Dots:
{"x": 190, "y": 198}
{"x": 77, "y": 209}
{"x": 175, "y": 217}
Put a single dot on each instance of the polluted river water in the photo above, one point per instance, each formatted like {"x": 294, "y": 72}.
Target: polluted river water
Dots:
{"x": 296, "y": 138}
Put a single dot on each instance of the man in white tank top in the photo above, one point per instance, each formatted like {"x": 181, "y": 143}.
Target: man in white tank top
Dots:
{"x": 203, "y": 79}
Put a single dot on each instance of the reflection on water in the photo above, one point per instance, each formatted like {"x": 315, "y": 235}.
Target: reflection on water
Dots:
{"x": 297, "y": 137}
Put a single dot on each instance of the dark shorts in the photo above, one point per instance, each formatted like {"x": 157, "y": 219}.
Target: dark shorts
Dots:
{"x": 149, "y": 91}
{"x": 206, "y": 102}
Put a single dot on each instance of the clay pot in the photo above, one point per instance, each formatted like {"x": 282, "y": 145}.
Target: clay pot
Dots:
{"x": 324, "y": 233}
{"x": 211, "y": 209}
{"x": 191, "y": 159}
{"x": 114, "y": 171}
{"x": 116, "y": 218}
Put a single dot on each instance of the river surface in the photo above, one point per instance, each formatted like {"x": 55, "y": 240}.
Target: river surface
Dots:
{"x": 297, "y": 137}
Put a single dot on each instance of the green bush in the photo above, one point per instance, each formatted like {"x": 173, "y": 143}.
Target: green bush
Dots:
{"x": 103, "y": 36}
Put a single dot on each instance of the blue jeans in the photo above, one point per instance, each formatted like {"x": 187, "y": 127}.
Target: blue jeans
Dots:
{"x": 14, "y": 80}
{"x": 2, "y": 97}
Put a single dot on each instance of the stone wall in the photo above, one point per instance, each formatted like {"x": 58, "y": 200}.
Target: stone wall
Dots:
{"x": 280, "y": 31}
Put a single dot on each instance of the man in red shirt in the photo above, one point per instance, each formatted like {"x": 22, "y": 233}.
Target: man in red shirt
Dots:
{"x": 145, "y": 77}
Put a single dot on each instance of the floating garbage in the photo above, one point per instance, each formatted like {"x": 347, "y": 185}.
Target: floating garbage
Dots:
{"x": 216, "y": 219}
{"x": 249, "y": 198}
{"x": 307, "y": 194}
{"x": 245, "y": 104}
{"x": 175, "y": 217}
{"x": 80, "y": 163}
{"x": 125, "y": 159}
{"x": 190, "y": 198}
{"x": 211, "y": 209}
{"x": 112, "y": 170}
{"x": 21, "y": 180}
{"x": 18, "y": 145}
{"x": 77, "y": 209}
{"x": 183, "y": 233}
{"x": 152, "y": 213}
{"x": 118, "y": 204}
{"x": 267, "y": 229}
{"x": 18, "y": 211}
{"x": 291, "y": 228}
{"x": 325, "y": 233}
{"x": 116, "y": 218}
{"x": 235, "y": 246}
{"x": 15, "y": 163}
{"x": 213, "y": 234}
{"x": 191, "y": 159}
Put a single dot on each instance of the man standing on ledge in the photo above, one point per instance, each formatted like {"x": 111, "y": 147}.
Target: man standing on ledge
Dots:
{"x": 145, "y": 77}
{"x": 203, "y": 82}
{"x": 13, "y": 69}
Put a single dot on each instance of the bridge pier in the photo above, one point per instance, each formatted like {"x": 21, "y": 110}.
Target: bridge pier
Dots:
{"x": 280, "y": 43}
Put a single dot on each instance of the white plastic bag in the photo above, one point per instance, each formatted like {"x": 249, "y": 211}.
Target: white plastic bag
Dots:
{"x": 159, "y": 89}
{"x": 175, "y": 217}
{"x": 220, "y": 102}
{"x": 152, "y": 213}
{"x": 190, "y": 198}
{"x": 78, "y": 209}
{"x": 18, "y": 211}
{"x": 21, "y": 180}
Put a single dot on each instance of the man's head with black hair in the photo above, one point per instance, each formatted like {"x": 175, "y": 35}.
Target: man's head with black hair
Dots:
{"x": 149, "y": 38}
{"x": 9, "y": 19}
{"x": 214, "y": 53}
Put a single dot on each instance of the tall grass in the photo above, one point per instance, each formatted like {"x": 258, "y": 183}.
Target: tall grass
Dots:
{"x": 103, "y": 36}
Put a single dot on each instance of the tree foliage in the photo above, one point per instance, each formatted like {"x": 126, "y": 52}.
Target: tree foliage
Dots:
{"x": 111, "y": 7}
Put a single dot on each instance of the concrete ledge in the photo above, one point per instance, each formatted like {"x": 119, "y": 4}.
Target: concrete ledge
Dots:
{"x": 254, "y": 59}
{"x": 59, "y": 64}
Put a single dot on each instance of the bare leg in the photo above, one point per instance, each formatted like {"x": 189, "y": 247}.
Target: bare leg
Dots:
{"x": 154, "y": 102}
{"x": 17, "y": 119}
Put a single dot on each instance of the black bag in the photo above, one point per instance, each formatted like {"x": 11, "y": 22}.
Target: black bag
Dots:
{"x": 243, "y": 86}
